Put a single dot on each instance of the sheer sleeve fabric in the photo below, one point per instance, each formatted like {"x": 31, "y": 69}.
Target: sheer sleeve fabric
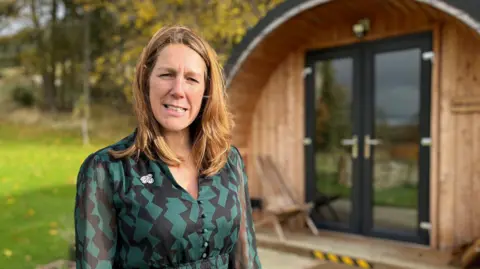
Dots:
{"x": 245, "y": 253}
{"x": 95, "y": 221}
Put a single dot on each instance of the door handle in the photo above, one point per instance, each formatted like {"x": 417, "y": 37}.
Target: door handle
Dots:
{"x": 353, "y": 142}
{"x": 368, "y": 142}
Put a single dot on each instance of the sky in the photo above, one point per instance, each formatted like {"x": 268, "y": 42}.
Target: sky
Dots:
{"x": 397, "y": 84}
{"x": 17, "y": 24}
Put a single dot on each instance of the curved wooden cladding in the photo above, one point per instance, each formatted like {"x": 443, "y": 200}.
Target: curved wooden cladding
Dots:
{"x": 267, "y": 98}
{"x": 327, "y": 25}
{"x": 278, "y": 125}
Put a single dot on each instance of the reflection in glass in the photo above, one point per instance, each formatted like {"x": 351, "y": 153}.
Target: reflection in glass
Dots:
{"x": 333, "y": 99}
{"x": 395, "y": 163}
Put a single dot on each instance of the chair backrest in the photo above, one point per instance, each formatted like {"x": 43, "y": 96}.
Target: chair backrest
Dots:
{"x": 275, "y": 193}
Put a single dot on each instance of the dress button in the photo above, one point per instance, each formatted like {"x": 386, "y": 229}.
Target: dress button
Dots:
{"x": 204, "y": 231}
{"x": 203, "y": 216}
{"x": 205, "y": 244}
{"x": 199, "y": 202}
{"x": 204, "y": 255}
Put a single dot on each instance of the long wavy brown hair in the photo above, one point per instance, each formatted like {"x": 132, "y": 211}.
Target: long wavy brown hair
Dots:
{"x": 210, "y": 132}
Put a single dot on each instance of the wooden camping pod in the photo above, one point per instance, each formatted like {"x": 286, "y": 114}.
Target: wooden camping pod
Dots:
{"x": 267, "y": 94}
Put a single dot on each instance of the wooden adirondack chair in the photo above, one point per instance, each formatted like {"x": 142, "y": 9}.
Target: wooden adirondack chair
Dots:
{"x": 280, "y": 205}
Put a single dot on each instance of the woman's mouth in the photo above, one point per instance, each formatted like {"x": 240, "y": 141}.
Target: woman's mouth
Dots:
{"x": 175, "y": 108}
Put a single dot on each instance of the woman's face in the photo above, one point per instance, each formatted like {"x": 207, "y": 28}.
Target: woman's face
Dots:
{"x": 177, "y": 85}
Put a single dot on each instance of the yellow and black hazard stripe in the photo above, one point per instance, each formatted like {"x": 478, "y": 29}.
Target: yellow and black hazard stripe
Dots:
{"x": 326, "y": 256}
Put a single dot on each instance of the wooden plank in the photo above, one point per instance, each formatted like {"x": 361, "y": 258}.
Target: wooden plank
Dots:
{"x": 465, "y": 104}
{"x": 471, "y": 255}
{"x": 376, "y": 251}
{"x": 291, "y": 116}
{"x": 325, "y": 41}
{"x": 435, "y": 134}
{"x": 474, "y": 79}
{"x": 447, "y": 160}
{"x": 399, "y": 6}
{"x": 463, "y": 146}
{"x": 431, "y": 13}
{"x": 300, "y": 125}
{"x": 470, "y": 50}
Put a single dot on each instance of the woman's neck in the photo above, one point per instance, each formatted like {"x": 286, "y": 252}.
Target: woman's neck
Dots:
{"x": 179, "y": 142}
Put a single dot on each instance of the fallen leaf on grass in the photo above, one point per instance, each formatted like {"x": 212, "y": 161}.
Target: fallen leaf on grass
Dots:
{"x": 8, "y": 253}
{"x": 53, "y": 232}
{"x": 10, "y": 201}
{"x": 53, "y": 224}
{"x": 30, "y": 212}
{"x": 28, "y": 258}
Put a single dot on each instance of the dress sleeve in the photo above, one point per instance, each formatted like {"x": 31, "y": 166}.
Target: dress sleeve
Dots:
{"x": 245, "y": 252}
{"x": 95, "y": 217}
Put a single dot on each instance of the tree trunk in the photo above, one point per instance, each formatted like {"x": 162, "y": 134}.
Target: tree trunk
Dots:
{"x": 86, "y": 84}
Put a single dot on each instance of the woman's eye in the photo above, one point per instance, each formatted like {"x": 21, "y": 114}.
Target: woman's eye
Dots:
{"x": 192, "y": 79}
{"x": 165, "y": 75}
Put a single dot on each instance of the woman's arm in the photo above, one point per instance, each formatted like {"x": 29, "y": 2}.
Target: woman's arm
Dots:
{"x": 95, "y": 218}
{"x": 246, "y": 254}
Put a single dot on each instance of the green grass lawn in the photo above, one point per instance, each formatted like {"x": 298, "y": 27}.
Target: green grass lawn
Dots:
{"x": 38, "y": 170}
{"x": 401, "y": 196}
{"x": 327, "y": 182}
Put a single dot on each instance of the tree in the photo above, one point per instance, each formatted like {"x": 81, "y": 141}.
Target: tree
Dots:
{"x": 332, "y": 110}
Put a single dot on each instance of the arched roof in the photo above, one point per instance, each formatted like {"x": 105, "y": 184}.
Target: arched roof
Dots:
{"x": 467, "y": 11}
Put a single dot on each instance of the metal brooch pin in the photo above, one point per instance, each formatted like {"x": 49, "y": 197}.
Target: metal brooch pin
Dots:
{"x": 148, "y": 179}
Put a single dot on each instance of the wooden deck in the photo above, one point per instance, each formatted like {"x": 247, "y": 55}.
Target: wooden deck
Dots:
{"x": 380, "y": 253}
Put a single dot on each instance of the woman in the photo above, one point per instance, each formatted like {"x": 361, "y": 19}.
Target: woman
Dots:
{"x": 174, "y": 193}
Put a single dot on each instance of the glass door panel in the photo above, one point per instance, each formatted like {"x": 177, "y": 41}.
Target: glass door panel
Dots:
{"x": 334, "y": 142}
{"x": 367, "y": 110}
{"x": 395, "y": 175}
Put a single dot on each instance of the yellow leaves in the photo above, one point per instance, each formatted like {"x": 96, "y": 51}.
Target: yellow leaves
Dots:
{"x": 235, "y": 11}
{"x": 28, "y": 258}
{"x": 53, "y": 224}
{"x": 124, "y": 18}
{"x": 30, "y": 212}
{"x": 125, "y": 57}
{"x": 145, "y": 12}
{"x": 72, "y": 181}
{"x": 7, "y": 253}
{"x": 100, "y": 61}
{"x": 221, "y": 22}
{"x": 53, "y": 232}
{"x": 88, "y": 7}
{"x": 10, "y": 201}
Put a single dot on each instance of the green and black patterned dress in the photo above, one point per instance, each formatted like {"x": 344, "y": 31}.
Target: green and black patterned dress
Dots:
{"x": 131, "y": 213}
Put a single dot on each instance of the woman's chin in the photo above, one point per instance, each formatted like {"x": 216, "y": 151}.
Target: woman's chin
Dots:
{"x": 174, "y": 126}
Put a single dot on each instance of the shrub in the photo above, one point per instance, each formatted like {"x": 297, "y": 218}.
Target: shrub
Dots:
{"x": 23, "y": 96}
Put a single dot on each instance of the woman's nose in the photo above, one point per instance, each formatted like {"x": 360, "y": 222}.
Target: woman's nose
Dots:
{"x": 178, "y": 87}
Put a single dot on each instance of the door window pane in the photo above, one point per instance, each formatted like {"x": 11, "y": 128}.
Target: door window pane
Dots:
{"x": 333, "y": 103}
{"x": 396, "y": 125}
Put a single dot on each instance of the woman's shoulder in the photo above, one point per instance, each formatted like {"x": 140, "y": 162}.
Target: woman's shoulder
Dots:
{"x": 235, "y": 158}
{"x": 101, "y": 157}
{"x": 234, "y": 154}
